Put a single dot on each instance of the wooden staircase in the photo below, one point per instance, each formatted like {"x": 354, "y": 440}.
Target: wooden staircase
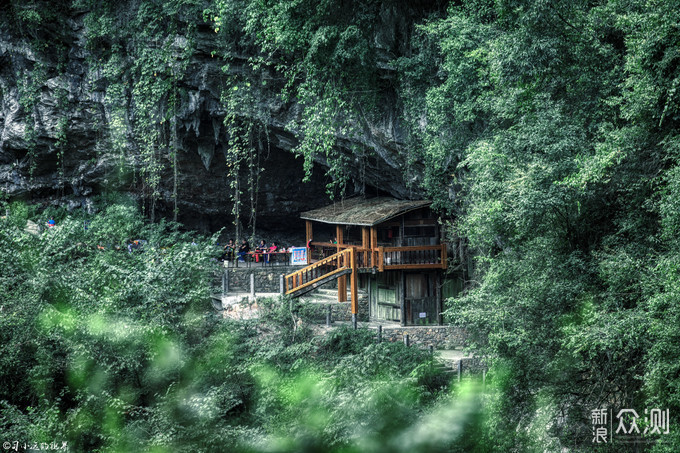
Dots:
{"x": 316, "y": 274}
{"x": 332, "y": 267}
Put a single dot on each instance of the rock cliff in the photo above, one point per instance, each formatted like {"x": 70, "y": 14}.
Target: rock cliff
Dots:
{"x": 55, "y": 144}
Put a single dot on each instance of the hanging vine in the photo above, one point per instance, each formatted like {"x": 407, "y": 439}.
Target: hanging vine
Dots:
{"x": 61, "y": 138}
{"x": 29, "y": 93}
{"x": 143, "y": 55}
{"x": 326, "y": 56}
{"x": 245, "y": 117}
{"x": 172, "y": 103}
{"x": 246, "y": 124}
{"x": 239, "y": 130}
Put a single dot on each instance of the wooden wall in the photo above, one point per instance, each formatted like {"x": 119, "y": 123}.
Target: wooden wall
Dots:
{"x": 417, "y": 292}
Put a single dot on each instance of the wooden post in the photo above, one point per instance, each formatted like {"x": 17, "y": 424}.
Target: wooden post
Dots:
{"x": 342, "y": 281}
{"x": 402, "y": 232}
{"x": 342, "y": 289}
{"x": 374, "y": 246}
{"x": 380, "y": 334}
{"x": 381, "y": 258}
{"x": 406, "y": 340}
{"x": 252, "y": 285}
{"x": 460, "y": 368}
{"x": 439, "y": 300}
{"x": 328, "y": 316}
{"x": 444, "y": 257}
{"x": 308, "y": 237}
{"x": 365, "y": 244}
{"x": 353, "y": 288}
{"x": 402, "y": 293}
{"x": 281, "y": 286}
{"x": 339, "y": 233}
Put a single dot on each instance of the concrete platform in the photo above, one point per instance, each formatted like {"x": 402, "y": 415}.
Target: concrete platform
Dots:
{"x": 239, "y": 305}
{"x": 451, "y": 355}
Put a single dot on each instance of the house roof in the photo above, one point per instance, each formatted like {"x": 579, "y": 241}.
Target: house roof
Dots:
{"x": 363, "y": 212}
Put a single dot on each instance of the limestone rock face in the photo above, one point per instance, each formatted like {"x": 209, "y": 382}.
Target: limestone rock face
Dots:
{"x": 69, "y": 98}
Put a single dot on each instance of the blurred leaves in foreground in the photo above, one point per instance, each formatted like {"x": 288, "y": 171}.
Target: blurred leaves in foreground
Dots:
{"x": 112, "y": 350}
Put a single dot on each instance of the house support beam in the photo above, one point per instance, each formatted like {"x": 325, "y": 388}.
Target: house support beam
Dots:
{"x": 308, "y": 237}
{"x": 339, "y": 231}
{"x": 342, "y": 281}
{"x": 438, "y": 298}
{"x": 402, "y": 285}
{"x": 365, "y": 244}
{"x": 354, "y": 283}
{"x": 374, "y": 246}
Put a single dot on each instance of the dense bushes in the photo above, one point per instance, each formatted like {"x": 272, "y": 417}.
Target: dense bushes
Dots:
{"x": 116, "y": 351}
{"x": 547, "y": 132}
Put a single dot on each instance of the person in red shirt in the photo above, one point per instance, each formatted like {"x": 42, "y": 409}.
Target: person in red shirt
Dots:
{"x": 272, "y": 248}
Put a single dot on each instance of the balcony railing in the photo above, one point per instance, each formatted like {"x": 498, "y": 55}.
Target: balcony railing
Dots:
{"x": 389, "y": 258}
{"x": 413, "y": 257}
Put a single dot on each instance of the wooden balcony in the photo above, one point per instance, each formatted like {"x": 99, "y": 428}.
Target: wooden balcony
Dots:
{"x": 414, "y": 257}
{"x": 388, "y": 258}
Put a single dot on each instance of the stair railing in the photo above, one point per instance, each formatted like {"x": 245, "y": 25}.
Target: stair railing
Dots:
{"x": 334, "y": 264}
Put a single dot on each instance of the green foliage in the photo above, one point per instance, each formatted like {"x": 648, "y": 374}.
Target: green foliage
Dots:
{"x": 116, "y": 351}
{"x": 549, "y": 130}
{"x": 92, "y": 334}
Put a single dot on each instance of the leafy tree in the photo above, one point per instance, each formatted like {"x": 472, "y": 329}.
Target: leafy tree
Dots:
{"x": 545, "y": 127}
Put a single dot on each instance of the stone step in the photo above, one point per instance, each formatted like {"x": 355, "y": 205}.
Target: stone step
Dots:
{"x": 327, "y": 296}
{"x": 310, "y": 299}
{"x": 334, "y": 292}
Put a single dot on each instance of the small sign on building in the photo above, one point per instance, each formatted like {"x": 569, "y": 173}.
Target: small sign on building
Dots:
{"x": 422, "y": 315}
{"x": 298, "y": 256}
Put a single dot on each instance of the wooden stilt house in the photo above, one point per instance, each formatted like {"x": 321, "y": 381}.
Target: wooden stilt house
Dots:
{"x": 389, "y": 248}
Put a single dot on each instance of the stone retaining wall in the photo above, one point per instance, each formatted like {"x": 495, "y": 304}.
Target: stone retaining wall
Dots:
{"x": 340, "y": 311}
{"x": 267, "y": 279}
{"x": 472, "y": 365}
{"x": 469, "y": 366}
{"x": 244, "y": 307}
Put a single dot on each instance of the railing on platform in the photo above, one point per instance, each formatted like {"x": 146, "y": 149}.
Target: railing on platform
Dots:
{"x": 413, "y": 257}
{"x": 331, "y": 265}
{"x": 323, "y": 250}
{"x": 410, "y": 257}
